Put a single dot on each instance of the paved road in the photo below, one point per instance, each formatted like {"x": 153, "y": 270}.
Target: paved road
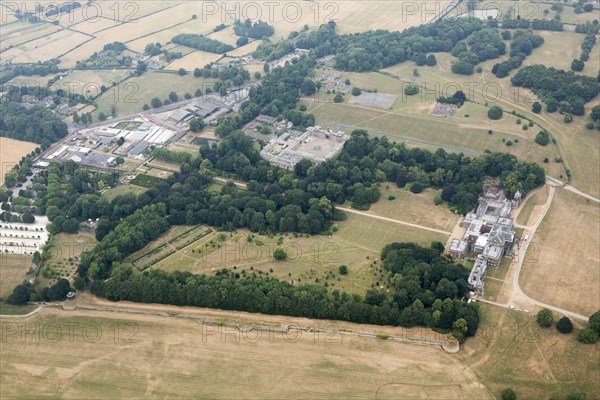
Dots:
{"x": 572, "y": 189}
{"x": 517, "y": 292}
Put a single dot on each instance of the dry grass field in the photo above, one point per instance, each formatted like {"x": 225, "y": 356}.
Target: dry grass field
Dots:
{"x": 28, "y": 33}
{"x": 563, "y": 268}
{"x": 531, "y": 208}
{"x": 11, "y": 152}
{"x": 510, "y": 350}
{"x": 166, "y": 357}
{"x": 579, "y": 146}
{"x": 46, "y": 47}
{"x": 13, "y": 270}
{"x": 111, "y": 193}
{"x": 195, "y": 59}
{"x": 415, "y": 208}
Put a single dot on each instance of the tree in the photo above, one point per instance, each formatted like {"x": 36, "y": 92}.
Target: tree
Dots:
{"x": 595, "y": 115}
{"x": 20, "y": 294}
{"x": 495, "y": 113}
{"x": 577, "y": 65}
{"x": 542, "y": 138}
{"x": 564, "y": 325}
{"x": 28, "y": 218}
{"x": 280, "y": 254}
{"x": 587, "y": 336}
{"x": 141, "y": 68}
{"x": 411, "y": 90}
{"x": 181, "y": 71}
{"x": 196, "y": 124}
{"x": 421, "y": 59}
{"x": 536, "y": 107}
{"x": 173, "y": 97}
{"x": 120, "y": 160}
{"x": 356, "y": 91}
{"x": 242, "y": 41}
{"x": 594, "y": 322}
{"x": 343, "y": 270}
{"x": 59, "y": 290}
{"x": 544, "y": 318}
{"x": 338, "y": 98}
{"x": 155, "y": 102}
{"x": 508, "y": 394}
{"x": 101, "y": 116}
{"x": 459, "y": 330}
{"x": 431, "y": 60}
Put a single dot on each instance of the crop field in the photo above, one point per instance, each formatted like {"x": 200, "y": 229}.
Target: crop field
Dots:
{"x": 415, "y": 208}
{"x": 29, "y": 33}
{"x": 11, "y": 152}
{"x": 563, "y": 266}
{"x": 172, "y": 357}
{"x": 46, "y": 47}
{"x": 195, "y": 59}
{"x": 510, "y": 350}
{"x": 92, "y": 26}
{"x": 134, "y": 92}
{"x": 13, "y": 270}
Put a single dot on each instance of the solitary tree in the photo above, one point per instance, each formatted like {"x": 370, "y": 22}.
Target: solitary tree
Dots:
{"x": 508, "y": 394}
{"x": 280, "y": 254}
{"x": 564, "y": 325}
{"x": 544, "y": 318}
{"x": 343, "y": 270}
{"x": 536, "y": 107}
{"x": 495, "y": 113}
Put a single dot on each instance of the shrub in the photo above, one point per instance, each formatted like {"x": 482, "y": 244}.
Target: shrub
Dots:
{"x": 495, "y": 113}
{"x": 509, "y": 143}
{"x": 438, "y": 200}
{"x": 564, "y": 325}
{"x": 382, "y": 336}
{"x": 390, "y": 197}
{"x": 544, "y": 318}
{"x": 280, "y": 254}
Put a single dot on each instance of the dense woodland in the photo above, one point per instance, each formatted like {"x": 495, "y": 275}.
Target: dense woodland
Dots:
{"x": 10, "y": 71}
{"x": 561, "y": 90}
{"x": 373, "y": 50}
{"x": 36, "y": 124}
{"x": 203, "y": 43}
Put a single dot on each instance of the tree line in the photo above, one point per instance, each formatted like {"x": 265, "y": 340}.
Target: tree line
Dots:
{"x": 203, "y": 43}
{"x": 434, "y": 303}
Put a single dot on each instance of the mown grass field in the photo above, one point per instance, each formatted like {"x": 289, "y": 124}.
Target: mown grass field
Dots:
{"x": 510, "y": 350}
{"x": 563, "y": 264}
{"x": 159, "y": 357}
{"x": 45, "y": 47}
{"x": 111, "y": 193}
{"x": 534, "y": 200}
